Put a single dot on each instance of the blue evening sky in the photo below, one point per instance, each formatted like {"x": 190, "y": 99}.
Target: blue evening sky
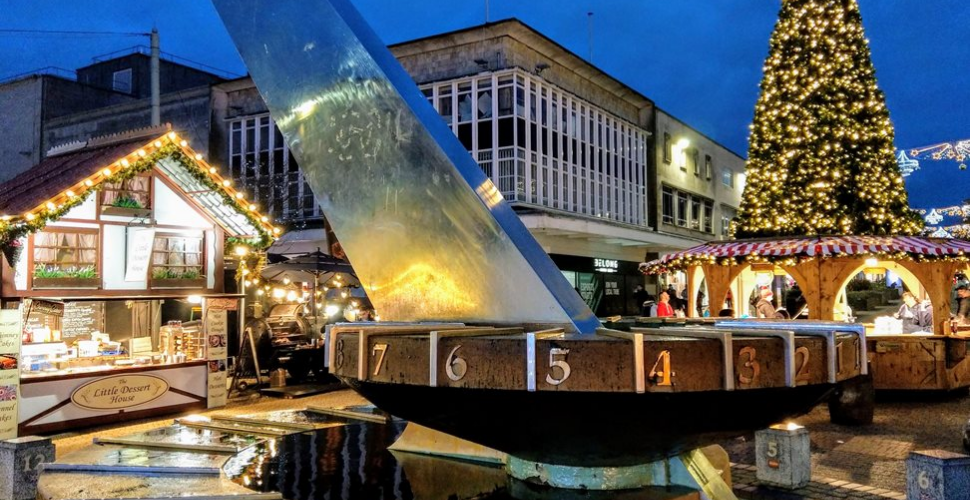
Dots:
{"x": 697, "y": 59}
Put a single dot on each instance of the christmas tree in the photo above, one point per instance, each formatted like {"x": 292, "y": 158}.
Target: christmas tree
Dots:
{"x": 820, "y": 154}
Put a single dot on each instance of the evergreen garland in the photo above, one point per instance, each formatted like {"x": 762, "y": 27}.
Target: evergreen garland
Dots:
{"x": 14, "y": 229}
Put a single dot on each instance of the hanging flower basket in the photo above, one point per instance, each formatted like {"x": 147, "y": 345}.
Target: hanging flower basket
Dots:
{"x": 13, "y": 251}
{"x": 135, "y": 212}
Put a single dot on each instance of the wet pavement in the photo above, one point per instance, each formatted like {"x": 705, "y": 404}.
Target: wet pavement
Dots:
{"x": 350, "y": 460}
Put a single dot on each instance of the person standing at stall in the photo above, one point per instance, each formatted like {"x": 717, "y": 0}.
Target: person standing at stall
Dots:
{"x": 962, "y": 317}
{"x": 664, "y": 309}
{"x": 916, "y": 316}
{"x": 764, "y": 306}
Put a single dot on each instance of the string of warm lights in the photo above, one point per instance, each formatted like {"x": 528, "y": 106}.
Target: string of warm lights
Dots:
{"x": 170, "y": 146}
{"x": 688, "y": 261}
{"x": 821, "y": 157}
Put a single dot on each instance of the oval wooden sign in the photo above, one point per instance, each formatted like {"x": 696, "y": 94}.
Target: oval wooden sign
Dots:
{"x": 118, "y": 392}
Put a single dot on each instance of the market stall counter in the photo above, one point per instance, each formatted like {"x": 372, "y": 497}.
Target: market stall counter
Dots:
{"x": 72, "y": 374}
{"x": 918, "y": 361}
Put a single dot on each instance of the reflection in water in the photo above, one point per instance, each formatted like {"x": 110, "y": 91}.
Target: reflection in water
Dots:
{"x": 352, "y": 462}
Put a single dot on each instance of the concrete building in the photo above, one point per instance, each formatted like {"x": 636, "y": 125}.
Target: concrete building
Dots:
{"x": 112, "y": 95}
{"x": 571, "y": 148}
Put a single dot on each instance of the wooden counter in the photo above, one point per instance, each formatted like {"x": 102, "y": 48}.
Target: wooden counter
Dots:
{"x": 63, "y": 401}
{"x": 919, "y": 362}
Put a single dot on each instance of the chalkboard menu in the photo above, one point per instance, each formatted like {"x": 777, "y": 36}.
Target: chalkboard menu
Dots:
{"x": 82, "y": 318}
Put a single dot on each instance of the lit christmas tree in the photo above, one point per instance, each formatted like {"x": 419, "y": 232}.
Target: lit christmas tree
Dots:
{"x": 821, "y": 155}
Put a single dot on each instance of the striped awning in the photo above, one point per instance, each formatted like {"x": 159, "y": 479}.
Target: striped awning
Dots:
{"x": 820, "y": 246}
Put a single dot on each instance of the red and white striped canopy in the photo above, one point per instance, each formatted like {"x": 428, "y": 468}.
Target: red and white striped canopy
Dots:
{"x": 818, "y": 246}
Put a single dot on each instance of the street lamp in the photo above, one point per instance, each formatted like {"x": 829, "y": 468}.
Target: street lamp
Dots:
{"x": 241, "y": 251}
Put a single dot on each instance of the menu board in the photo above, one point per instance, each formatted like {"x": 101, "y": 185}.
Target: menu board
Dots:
{"x": 217, "y": 332}
{"x": 82, "y": 318}
{"x": 10, "y": 336}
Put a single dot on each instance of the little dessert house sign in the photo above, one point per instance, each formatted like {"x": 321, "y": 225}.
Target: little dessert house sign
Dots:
{"x": 119, "y": 392}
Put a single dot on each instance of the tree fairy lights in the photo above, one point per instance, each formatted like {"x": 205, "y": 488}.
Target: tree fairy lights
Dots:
{"x": 821, "y": 158}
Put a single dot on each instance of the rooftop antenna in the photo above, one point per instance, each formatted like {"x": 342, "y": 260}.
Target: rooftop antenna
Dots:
{"x": 589, "y": 30}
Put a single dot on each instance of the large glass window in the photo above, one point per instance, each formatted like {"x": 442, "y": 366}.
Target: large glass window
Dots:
{"x": 262, "y": 165}
{"x": 668, "y": 205}
{"x": 727, "y": 177}
{"x": 708, "y": 216}
{"x": 682, "y": 209}
{"x": 727, "y": 215}
{"x": 66, "y": 253}
{"x": 177, "y": 257}
{"x": 548, "y": 147}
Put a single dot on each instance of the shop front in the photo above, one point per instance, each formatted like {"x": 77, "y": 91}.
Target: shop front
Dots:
{"x": 606, "y": 285}
{"x": 113, "y": 297}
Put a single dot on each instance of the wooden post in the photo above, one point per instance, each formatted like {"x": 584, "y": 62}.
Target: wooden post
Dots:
{"x": 719, "y": 279}
{"x": 806, "y": 274}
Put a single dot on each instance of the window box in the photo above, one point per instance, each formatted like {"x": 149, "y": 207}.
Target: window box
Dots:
{"x": 66, "y": 282}
{"x": 125, "y": 211}
{"x": 178, "y": 283}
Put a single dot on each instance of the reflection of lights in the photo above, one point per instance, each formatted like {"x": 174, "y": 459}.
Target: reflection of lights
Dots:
{"x": 489, "y": 193}
{"x": 428, "y": 290}
{"x": 331, "y": 310}
{"x": 246, "y": 480}
{"x": 194, "y": 418}
{"x": 272, "y": 448}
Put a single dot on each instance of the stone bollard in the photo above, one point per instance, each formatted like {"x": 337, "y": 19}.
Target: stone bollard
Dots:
{"x": 937, "y": 475}
{"x": 20, "y": 460}
{"x": 783, "y": 456}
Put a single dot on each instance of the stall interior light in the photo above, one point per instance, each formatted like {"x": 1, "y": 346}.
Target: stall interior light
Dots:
{"x": 331, "y": 309}
{"x": 279, "y": 293}
{"x": 260, "y": 292}
{"x": 871, "y": 262}
{"x": 194, "y": 299}
{"x": 291, "y": 295}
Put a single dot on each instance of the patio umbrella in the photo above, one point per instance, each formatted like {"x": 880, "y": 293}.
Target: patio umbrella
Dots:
{"x": 309, "y": 268}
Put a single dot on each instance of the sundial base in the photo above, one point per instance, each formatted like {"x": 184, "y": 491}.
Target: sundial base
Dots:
{"x": 692, "y": 470}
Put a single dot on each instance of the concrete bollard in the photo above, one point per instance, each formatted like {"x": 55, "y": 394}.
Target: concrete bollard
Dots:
{"x": 20, "y": 465}
{"x": 937, "y": 475}
{"x": 783, "y": 456}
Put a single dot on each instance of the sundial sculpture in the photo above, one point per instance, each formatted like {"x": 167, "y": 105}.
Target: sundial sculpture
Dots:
{"x": 499, "y": 349}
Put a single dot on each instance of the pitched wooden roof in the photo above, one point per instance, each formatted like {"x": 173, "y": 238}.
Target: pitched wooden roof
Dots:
{"x": 57, "y": 173}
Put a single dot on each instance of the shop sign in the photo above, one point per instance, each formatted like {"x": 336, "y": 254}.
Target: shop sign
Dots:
{"x": 606, "y": 265}
{"x": 10, "y": 336}
{"x": 119, "y": 392}
{"x": 224, "y": 304}
{"x": 139, "y": 255}
{"x": 217, "y": 333}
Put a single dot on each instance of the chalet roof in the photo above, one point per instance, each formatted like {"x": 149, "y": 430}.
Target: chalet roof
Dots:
{"x": 48, "y": 190}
